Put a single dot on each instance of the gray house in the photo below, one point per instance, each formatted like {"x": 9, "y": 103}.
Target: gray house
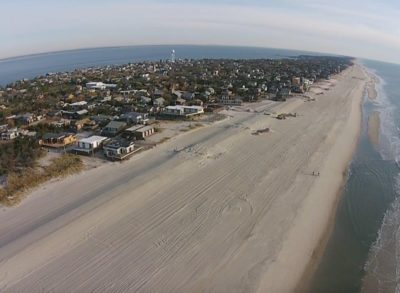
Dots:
{"x": 134, "y": 118}
{"x": 113, "y": 128}
{"x": 159, "y": 102}
{"x": 119, "y": 149}
{"x": 188, "y": 96}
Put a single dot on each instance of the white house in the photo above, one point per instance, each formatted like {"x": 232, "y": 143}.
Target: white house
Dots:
{"x": 183, "y": 111}
{"x": 95, "y": 85}
{"x": 119, "y": 149}
{"x": 90, "y": 144}
{"x": 10, "y": 134}
{"x": 78, "y": 105}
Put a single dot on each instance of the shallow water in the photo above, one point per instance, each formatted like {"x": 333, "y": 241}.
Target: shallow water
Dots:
{"x": 364, "y": 240}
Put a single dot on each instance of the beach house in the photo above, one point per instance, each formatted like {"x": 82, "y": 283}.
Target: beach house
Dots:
{"x": 230, "y": 101}
{"x": 113, "y": 128}
{"x": 182, "y": 111}
{"x": 58, "y": 140}
{"x": 139, "y": 132}
{"x": 90, "y": 144}
{"x": 134, "y": 118}
{"x": 119, "y": 149}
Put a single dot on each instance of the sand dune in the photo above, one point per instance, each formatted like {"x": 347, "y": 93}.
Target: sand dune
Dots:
{"x": 373, "y": 128}
{"x": 213, "y": 210}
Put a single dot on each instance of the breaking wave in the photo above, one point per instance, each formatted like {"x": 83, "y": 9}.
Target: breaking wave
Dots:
{"x": 383, "y": 264}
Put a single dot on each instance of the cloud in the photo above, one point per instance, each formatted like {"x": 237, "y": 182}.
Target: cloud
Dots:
{"x": 317, "y": 25}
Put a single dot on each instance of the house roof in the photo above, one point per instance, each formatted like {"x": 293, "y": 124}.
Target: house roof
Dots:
{"x": 180, "y": 100}
{"x": 131, "y": 115}
{"x": 116, "y": 124}
{"x": 61, "y": 135}
{"x": 145, "y": 128}
{"x": 120, "y": 143}
{"x": 92, "y": 139}
{"x": 134, "y": 128}
{"x": 188, "y": 95}
{"x": 82, "y": 112}
{"x": 81, "y": 103}
{"x": 100, "y": 117}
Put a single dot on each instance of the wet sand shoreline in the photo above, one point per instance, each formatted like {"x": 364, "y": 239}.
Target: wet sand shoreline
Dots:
{"x": 373, "y": 131}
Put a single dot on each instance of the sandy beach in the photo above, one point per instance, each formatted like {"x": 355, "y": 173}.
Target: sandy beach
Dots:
{"x": 371, "y": 86}
{"x": 374, "y": 118}
{"x": 216, "y": 209}
{"x": 373, "y": 128}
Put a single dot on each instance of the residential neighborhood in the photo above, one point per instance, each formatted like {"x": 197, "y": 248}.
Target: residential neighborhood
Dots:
{"x": 111, "y": 111}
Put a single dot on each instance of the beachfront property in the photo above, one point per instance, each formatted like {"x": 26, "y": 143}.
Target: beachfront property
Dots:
{"x": 134, "y": 118}
{"x": 182, "y": 111}
{"x": 90, "y": 144}
{"x": 58, "y": 140}
{"x": 140, "y": 132}
{"x": 230, "y": 101}
{"x": 94, "y": 85}
{"x": 119, "y": 149}
{"x": 113, "y": 128}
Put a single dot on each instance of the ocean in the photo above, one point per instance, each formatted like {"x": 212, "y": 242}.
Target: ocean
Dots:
{"x": 17, "y": 68}
{"x": 363, "y": 253}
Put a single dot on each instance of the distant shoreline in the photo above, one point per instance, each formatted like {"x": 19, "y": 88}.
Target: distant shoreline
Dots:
{"x": 29, "y": 66}
{"x": 162, "y": 45}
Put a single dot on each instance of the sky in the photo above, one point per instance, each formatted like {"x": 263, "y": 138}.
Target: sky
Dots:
{"x": 366, "y": 29}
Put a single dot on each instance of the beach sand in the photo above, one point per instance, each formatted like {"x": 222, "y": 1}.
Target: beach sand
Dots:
{"x": 371, "y": 86}
{"x": 218, "y": 209}
{"x": 373, "y": 128}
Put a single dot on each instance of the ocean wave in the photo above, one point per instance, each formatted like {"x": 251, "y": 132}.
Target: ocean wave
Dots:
{"x": 383, "y": 263}
{"x": 389, "y": 131}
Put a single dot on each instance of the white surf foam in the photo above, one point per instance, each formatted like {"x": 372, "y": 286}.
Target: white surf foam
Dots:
{"x": 384, "y": 257}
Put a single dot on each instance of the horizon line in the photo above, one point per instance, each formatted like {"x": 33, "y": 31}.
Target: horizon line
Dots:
{"x": 161, "y": 45}
{"x": 12, "y": 58}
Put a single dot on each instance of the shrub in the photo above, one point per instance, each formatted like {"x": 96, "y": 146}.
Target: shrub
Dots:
{"x": 20, "y": 181}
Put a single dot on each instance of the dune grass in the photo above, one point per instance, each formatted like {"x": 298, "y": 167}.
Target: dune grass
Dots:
{"x": 21, "y": 181}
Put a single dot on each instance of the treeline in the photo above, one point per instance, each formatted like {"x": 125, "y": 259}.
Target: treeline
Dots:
{"x": 21, "y": 153}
